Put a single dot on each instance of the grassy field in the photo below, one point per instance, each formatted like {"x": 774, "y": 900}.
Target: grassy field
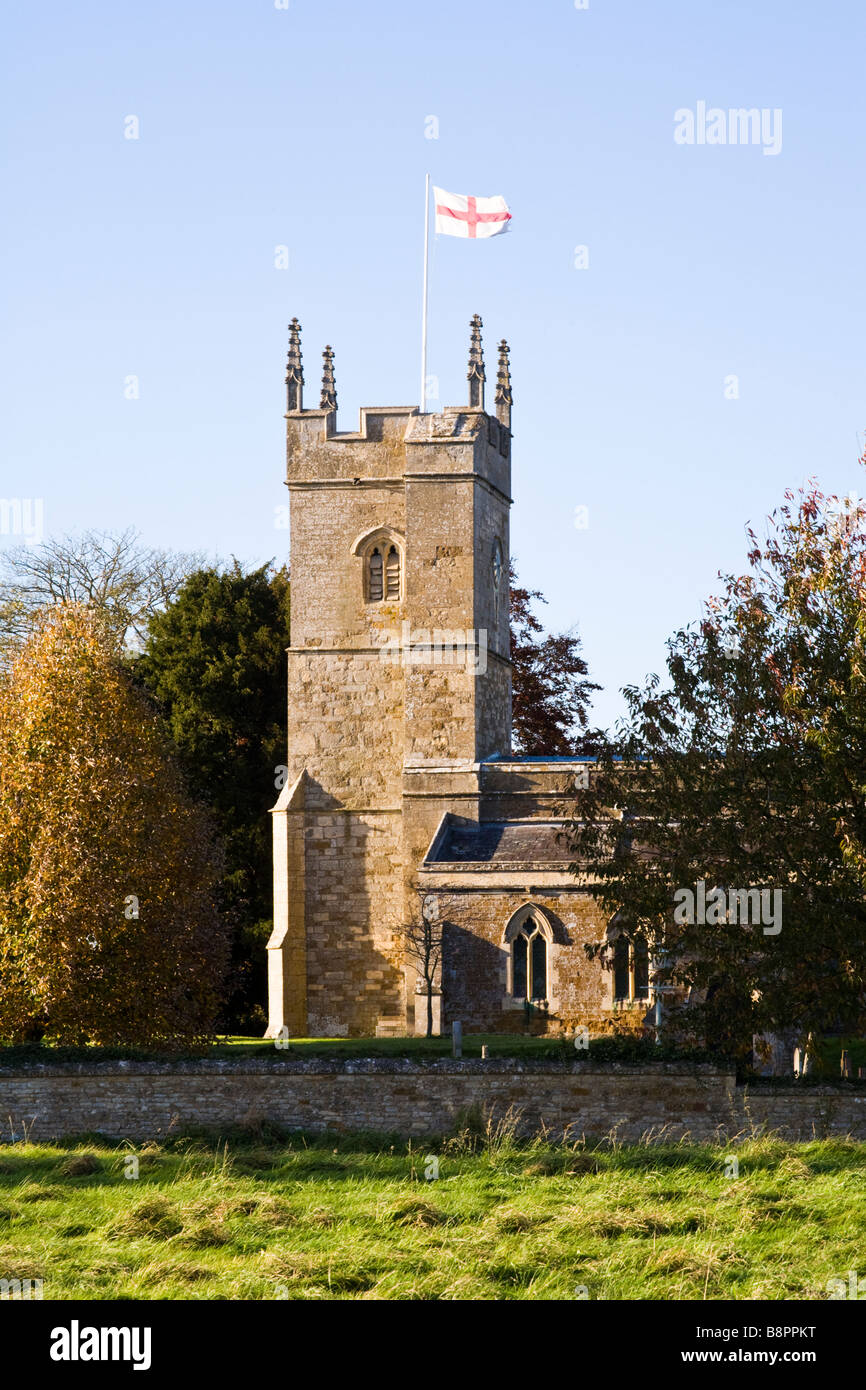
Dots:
{"x": 352, "y": 1218}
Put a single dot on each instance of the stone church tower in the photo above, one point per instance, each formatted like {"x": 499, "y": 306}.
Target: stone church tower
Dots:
{"x": 400, "y": 780}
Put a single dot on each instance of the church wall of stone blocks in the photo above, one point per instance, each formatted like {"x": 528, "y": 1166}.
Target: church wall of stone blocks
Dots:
{"x": 402, "y": 787}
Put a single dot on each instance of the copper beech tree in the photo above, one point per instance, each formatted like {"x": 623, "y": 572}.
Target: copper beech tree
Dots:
{"x": 109, "y": 929}
{"x": 551, "y": 690}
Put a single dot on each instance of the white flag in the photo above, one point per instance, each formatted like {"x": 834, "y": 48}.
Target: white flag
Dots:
{"x": 459, "y": 215}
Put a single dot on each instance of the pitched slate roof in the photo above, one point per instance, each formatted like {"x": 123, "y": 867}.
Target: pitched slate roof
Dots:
{"x": 501, "y": 842}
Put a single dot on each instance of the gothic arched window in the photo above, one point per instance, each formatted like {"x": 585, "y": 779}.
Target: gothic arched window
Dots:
{"x": 630, "y": 968}
{"x": 527, "y": 938}
{"x": 621, "y": 952}
{"x": 640, "y": 951}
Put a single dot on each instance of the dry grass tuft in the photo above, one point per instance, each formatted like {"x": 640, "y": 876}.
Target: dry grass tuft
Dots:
{"x": 793, "y": 1167}
{"x": 153, "y": 1219}
{"x": 79, "y": 1165}
{"x": 417, "y": 1213}
{"x": 512, "y": 1222}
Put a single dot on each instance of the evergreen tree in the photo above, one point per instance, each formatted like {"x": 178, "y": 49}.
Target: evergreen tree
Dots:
{"x": 214, "y": 661}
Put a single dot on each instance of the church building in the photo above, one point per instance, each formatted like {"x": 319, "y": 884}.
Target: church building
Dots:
{"x": 403, "y": 801}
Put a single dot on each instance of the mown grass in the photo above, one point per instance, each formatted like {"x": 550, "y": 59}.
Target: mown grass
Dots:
{"x": 264, "y": 1049}
{"x": 627, "y": 1049}
{"x": 249, "y": 1218}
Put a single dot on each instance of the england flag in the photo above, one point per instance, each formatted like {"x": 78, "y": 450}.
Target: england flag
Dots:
{"x": 461, "y": 215}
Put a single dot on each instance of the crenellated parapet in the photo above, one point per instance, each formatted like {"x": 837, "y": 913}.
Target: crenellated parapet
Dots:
{"x": 392, "y": 442}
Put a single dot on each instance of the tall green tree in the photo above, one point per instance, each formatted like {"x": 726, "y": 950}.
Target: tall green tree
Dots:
{"x": 747, "y": 770}
{"x": 214, "y": 661}
{"x": 109, "y": 924}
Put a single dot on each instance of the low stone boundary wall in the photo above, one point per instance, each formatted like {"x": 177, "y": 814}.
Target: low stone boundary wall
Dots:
{"x": 141, "y": 1100}
{"x": 805, "y": 1112}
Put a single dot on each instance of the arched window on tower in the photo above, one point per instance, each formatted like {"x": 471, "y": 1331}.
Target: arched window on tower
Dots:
{"x": 392, "y": 573}
{"x": 383, "y": 566}
{"x": 375, "y": 576}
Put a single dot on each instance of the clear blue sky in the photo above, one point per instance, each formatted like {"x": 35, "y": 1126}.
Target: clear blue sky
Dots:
{"x": 305, "y": 127}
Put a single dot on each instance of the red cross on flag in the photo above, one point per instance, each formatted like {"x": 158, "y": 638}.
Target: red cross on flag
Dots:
{"x": 459, "y": 215}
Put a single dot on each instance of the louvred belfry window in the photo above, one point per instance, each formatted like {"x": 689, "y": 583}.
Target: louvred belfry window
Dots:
{"x": 392, "y": 574}
{"x": 375, "y": 584}
{"x": 383, "y": 573}
{"x": 381, "y": 555}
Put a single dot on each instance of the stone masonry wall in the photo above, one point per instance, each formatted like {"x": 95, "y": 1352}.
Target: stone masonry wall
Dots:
{"x": 475, "y": 964}
{"x": 145, "y": 1100}
{"x": 346, "y": 729}
{"x": 354, "y": 904}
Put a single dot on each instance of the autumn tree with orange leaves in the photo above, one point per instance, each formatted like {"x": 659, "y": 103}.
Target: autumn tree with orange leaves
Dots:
{"x": 109, "y": 929}
{"x": 744, "y": 769}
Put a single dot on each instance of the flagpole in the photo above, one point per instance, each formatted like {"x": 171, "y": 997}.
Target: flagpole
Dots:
{"x": 424, "y": 297}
